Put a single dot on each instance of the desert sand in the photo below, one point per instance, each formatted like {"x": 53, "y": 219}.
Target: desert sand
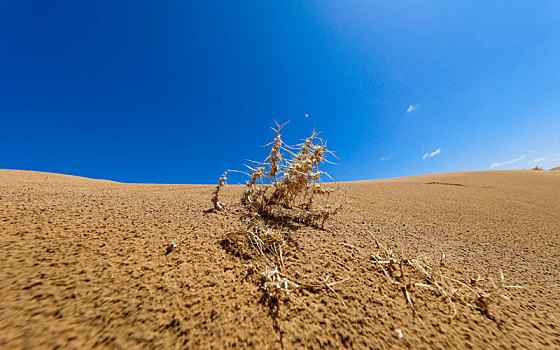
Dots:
{"x": 84, "y": 263}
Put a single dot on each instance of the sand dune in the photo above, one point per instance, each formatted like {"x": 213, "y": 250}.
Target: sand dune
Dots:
{"x": 83, "y": 263}
{"x": 26, "y": 176}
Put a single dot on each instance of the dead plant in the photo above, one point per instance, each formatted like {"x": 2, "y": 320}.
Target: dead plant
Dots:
{"x": 216, "y": 194}
{"x": 408, "y": 273}
{"x": 279, "y": 189}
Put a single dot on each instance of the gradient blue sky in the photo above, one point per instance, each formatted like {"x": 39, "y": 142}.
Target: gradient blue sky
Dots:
{"x": 178, "y": 91}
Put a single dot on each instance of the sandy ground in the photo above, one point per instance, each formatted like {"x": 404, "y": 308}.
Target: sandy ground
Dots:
{"x": 83, "y": 264}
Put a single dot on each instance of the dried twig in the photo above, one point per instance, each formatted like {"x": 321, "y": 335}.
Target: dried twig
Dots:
{"x": 216, "y": 194}
{"x": 418, "y": 273}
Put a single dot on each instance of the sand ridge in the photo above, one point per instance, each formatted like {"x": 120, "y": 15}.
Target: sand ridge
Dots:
{"x": 84, "y": 264}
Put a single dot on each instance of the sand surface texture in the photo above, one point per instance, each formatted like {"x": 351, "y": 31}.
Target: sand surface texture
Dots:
{"x": 83, "y": 264}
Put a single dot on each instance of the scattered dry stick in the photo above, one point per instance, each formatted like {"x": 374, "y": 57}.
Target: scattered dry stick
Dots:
{"x": 418, "y": 273}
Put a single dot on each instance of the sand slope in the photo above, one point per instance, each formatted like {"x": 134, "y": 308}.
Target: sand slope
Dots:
{"x": 83, "y": 264}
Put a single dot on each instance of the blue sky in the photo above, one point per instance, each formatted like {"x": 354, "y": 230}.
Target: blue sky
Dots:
{"x": 178, "y": 91}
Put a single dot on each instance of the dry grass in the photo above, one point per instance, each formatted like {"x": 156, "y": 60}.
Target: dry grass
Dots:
{"x": 407, "y": 273}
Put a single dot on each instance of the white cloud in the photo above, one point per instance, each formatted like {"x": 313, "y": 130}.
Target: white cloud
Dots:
{"x": 514, "y": 160}
{"x": 508, "y": 162}
{"x": 385, "y": 158}
{"x": 429, "y": 155}
{"x": 411, "y": 108}
{"x": 538, "y": 160}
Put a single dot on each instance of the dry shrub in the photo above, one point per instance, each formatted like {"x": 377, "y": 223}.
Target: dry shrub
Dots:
{"x": 407, "y": 273}
{"x": 287, "y": 186}
{"x": 294, "y": 187}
